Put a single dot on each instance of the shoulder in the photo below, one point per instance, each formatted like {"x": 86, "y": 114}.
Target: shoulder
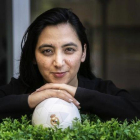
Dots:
{"x": 104, "y": 86}
{"x": 15, "y": 86}
{"x": 88, "y": 83}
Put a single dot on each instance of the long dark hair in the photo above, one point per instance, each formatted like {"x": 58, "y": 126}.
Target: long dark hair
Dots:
{"x": 29, "y": 72}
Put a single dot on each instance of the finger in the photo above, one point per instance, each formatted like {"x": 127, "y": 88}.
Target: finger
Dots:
{"x": 37, "y": 97}
{"x": 50, "y": 86}
{"x": 66, "y": 96}
{"x": 70, "y": 89}
{"x": 62, "y": 94}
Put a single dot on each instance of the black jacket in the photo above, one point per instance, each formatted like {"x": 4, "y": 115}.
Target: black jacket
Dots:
{"x": 96, "y": 96}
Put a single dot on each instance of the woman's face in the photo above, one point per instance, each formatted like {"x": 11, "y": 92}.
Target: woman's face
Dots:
{"x": 59, "y": 53}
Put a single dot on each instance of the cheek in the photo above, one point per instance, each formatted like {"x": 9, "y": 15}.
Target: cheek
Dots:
{"x": 74, "y": 61}
{"x": 42, "y": 63}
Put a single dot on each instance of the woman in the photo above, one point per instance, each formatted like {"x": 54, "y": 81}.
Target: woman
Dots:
{"x": 55, "y": 62}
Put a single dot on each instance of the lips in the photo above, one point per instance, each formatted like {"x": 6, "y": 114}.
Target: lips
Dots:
{"x": 58, "y": 74}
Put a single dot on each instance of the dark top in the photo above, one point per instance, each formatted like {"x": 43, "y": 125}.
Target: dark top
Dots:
{"x": 96, "y": 96}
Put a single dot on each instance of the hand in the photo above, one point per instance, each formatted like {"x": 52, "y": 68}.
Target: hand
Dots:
{"x": 70, "y": 89}
{"x": 61, "y": 91}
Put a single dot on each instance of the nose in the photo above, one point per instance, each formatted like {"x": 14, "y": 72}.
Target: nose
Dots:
{"x": 58, "y": 60}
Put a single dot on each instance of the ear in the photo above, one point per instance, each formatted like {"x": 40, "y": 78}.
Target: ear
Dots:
{"x": 84, "y": 53}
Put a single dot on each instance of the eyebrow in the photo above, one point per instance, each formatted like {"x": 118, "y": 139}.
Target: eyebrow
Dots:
{"x": 50, "y": 45}
{"x": 70, "y": 44}
{"x": 46, "y": 45}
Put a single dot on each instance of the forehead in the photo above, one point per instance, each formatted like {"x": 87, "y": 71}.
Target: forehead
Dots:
{"x": 61, "y": 29}
{"x": 58, "y": 33}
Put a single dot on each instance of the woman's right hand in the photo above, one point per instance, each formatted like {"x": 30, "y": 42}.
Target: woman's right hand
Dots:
{"x": 38, "y": 96}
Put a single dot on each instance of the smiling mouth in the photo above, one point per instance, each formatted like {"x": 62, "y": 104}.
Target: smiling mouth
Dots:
{"x": 59, "y": 74}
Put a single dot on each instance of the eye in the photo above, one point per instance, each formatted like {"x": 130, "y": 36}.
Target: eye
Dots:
{"x": 69, "y": 50}
{"x": 47, "y": 52}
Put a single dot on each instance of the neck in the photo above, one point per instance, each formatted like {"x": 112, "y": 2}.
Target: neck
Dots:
{"x": 74, "y": 82}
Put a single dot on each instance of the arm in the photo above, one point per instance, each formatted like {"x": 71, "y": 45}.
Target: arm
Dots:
{"x": 102, "y": 98}
{"x": 14, "y": 103}
{"x": 13, "y": 99}
{"x": 14, "y": 106}
{"x": 108, "y": 101}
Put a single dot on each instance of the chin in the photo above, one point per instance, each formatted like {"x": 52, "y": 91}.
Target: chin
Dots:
{"x": 59, "y": 81}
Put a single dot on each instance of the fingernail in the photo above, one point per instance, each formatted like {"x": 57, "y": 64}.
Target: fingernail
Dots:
{"x": 70, "y": 100}
{"x": 37, "y": 89}
{"x": 78, "y": 103}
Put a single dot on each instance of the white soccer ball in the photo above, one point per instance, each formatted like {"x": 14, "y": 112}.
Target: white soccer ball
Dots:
{"x": 55, "y": 112}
